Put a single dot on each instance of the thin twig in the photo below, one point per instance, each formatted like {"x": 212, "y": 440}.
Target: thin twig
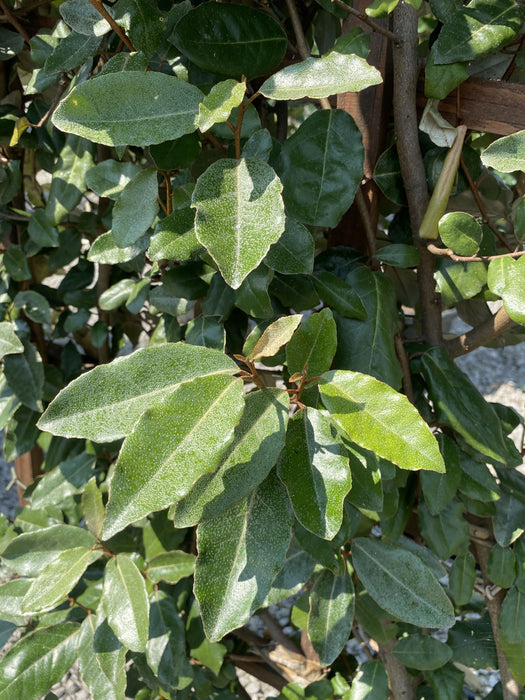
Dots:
{"x": 480, "y": 335}
{"x": 62, "y": 85}
{"x": 367, "y": 20}
{"x": 367, "y": 222}
{"x": 275, "y": 631}
{"x": 302, "y": 45}
{"x": 405, "y": 367}
{"x": 481, "y": 206}
{"x": 169, "y": 202}
{"x": 448, "y": 253}
{"x": 215, "y": 142}
{"x": 13, "y": 20}
{"x": 97, "y": 4}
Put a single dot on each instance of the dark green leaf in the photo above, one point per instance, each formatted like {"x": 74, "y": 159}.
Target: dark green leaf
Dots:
{"x": 143, "y": 23}
{"x": 129, "y": 221}
{"x": 16, "y": 263}
{"x": 314, "y": 468}
{"x": 401, "y": 584}
{"x": 36, "y": 307}
{"x": 177, "y": 154}
{"x": 207, "y": 331}
{"x": 331, "y": 615}
{"x": 240, "y": 553}
{"x": 69, "y": 178}
{"x": 101, "y": 658}
{"x": 126, "y": 602}
{"x": 339, "y": 295}
{"x": 460, "y": 232}
{"x": 509, "y": 521}
{"x": 447, "y": 682}
{"x": 232, "y": 40}
{"x": 295, "y": 572}
{"x": 252, "y": 296}
{"x": 170, "y": 566}
{"x": 323, "y": 551}
{"x": 322, "y": 165}
{"x": 474, "y": 655}
{"x": 445, "y": 533}
{"x": 462, "y": 576}
{"x": 399, "y": 255}
{"x": 387, "y": 175}
{"x": 10, "y": 344}
{"x": 21, "y": 432}
{"x": 41, "y": 231}
{"x": 457, "y": 281}
{"x": 66, "y": 479}
{"x": 10, "y": 44}
{"x": 422, "y": 652}
{"x": 293, "y": 253}
{"x": 73, "y": 50}
{"x": 367, "y": 490}
{"x": 370, "y": 682}
{"x": 506, "y": 278}
{"x": 440, "y": 80}
{"x": 501, "y": 566}
{"x": 512, "y": 616}
{"x": 440, "y": 489}
{"x": 162, "y": 107}
{"x": 108, "y": 178}
{"x": 84, "y": 18}
{"x": 313, "y": 345}
{"x": 24, "y": 374}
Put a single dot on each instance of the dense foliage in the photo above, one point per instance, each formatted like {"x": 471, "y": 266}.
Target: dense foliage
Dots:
{"x": 237, "y": 376}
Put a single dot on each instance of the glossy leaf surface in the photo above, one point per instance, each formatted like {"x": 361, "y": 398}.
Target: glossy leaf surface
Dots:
{"x": 126, "y": 602}
{"x": 101, "y": 658}
{"x": 313, "y": 345}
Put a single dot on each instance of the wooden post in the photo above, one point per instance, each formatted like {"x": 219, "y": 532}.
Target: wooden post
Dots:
{"x": 27, "y": 467}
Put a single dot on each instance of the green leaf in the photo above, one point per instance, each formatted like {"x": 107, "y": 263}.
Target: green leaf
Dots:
{"x": 240, "y": 553}
{"x": 401, "y": 584}
{"x": 143, "y": 23}
{"x": 16, "y": 264}
{"x": 387, "y": 175}
{"x": 370, "y": 682}
{"x": 176, "y": 441}
{"x": 93, "y": 508}
{"x": 231, "y": 40}
{"x": 252, "y": 296}
{"x": 206, "y": 330}
{"x": 41, "y": 231}
{"x": 240, "y": 213}
{"x": 314, "y": 468}
{"x": 460, "y": 232}
{"x": 399, "y": 255}
{"x": 176, "y": 154}
{"x": 460, "y": 405}
{"x": 69, "y": 178}
{"x": 331, "y": 74}
{"x": 275, "y": 336}
{"x": 331, "y": 615}
{"x": 166, "y": 646}
{"x": 478, "y": 29}
{"x": 323, "y": 551}
{"x": 83, "y": 18}
{"x": 24, "y": 375}
{"x": 11, "y": 595}
{"x": 293, "y": 253}
{"x": 36, "y": 306}
{"x": 458, "y": 281}
{"x": 210, "y": 654}
{"x": 30, "y": 552}
{"x": 161, "y": 107}
{"x": 462, "y": 576}
{"x": 101, "y": 658}
{"x": 379, "y": 419}
{"x": 477, "y": 482}
{"x": 313, "y": 345}
{"x": 174, "y": 237}
{"x": 11, "y": 43}
{"x": 381, "y": 8}
{"x": 447, "y": 682}
{"x": 321, "y": 167}
{"x": 427, "y": 557}
{"x": 10, "y": 344}
{"x": 367, "y": 489}
{"x": 105, "y": 403}
{"x": 105, "y": 250}
{"x": 368, "y": 345}
{"x": 66, "y": 479}
{"x": 108, "y": 179}
{"x": 72, "y": 51}
{"x": 38, "y": 660}
{"x": 447, "y": 532}
{"x": 473, "y": 655}
{"x": 506, "y": 154}
{"x": 509, "y": 521}
{"x": 116, "y": 295}
{"x": 257, "y": 442}
{"x": 129, "y": 221}
{"x": 339, "y": 295}
{"x": 219, "y": 102}
{"x": 259, "y": 145}
{"x": 422, "y": 652}
{"x": 21, "y": 433}
{"x": 186, "y": 280}
{"x": 440, "y": 489}
{"x": 355, "y": 41}
{"x": 170, "y": 566}
{"x": 295, "y": 572}
{"x": 440, "y": 80}
{"x": 514, "y": 653}
{"x": 501, "y": 566}
{"x": 57, "y": 579}
{"x": 125, "y": 602}
{"x": 506, "y": 278}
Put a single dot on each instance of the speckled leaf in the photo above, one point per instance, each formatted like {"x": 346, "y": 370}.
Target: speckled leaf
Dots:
{"x": 478, "y": 29}
{"x": 57, "y": 579}
{"x": 240, "y": 213}
{"x": 219, "y": 102}
{"x": 370, "y": 682}
{"x": 72, "y": 50}
{"x": 512, "y": 616}
{"x": 252, "y": 296}
{"x": 445, "y": 533}
{"x": 460, "y": 405}
{"x": 423, "y": 652}
{"x": 108, "y": 179}
{"x": 461, "y": 578}
{"x": 507, "y": 278}
{"x": 313, "y": 344}
{"x": 142, "y": 22}
{"x": 275, "y": 336}
{"x": 293, "y": 253}
{"x": 104, "y": 404}
{"x": 295, "y": 572}
{"x": 231, "y": 40}
{"x": 460, "y": 232}
{"x": 11, "y": 595}
{"x": 93, "y": 507}
{"x": 105, "y": 250}
{"x": 10, "y": 344}
{"x": 314, "y": 468}
{"x": 67, "y": 478}
{"x": 240, "y": 553}
{"x": 38, "y": 660}
{"x": 24, "y": 374}
{"x": 501, "y": 566}
{"x": 151, "y": 108}
{"x": 506, "y": 154}
{"x": 101, "y": 658}
{"x": 206, "y": 330}
{"x": 401, "y": 584}
{"x": 136, "y": 208}
{"x": 509, "y": 521}
{"x": 331, "y": 615}
{"x": 175, "y": 443}
{"x": 81, "y": 16}
{"x": 68, "y": 182}
{"x": 166, "y": 646}
{"x": 379, "y": 419}
{"x": 174, "y": 237}
{"x": 321, "y": 77}
{"x": 170, "y": 566}
{"x": 125, "y": 602}
{"x": 322, "y": 166}
{"x": 257, "y": 442}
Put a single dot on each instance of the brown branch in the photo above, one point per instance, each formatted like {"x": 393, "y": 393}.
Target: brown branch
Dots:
{"x": 275, "y": 631}
{"x": 406, "y": 70}
{"x": 481, "y": 206}
{"x": 400, "y": 683}
{"x": 302, "y": 45}
{"x": 480, "y": 335}
{"x": 215, "y": 142}
{"x": 448, "y": 253}
{"x": 97, "y": 4}
{"x": 405, "y": 367}
{"x": 62, "y": 85}
{"x": 13, "y": 21}
{"x": 367, "y": 20}
{"x": 367, "y": 221}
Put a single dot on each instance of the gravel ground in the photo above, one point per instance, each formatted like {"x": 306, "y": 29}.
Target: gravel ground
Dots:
{"x": 499, "y": 374}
